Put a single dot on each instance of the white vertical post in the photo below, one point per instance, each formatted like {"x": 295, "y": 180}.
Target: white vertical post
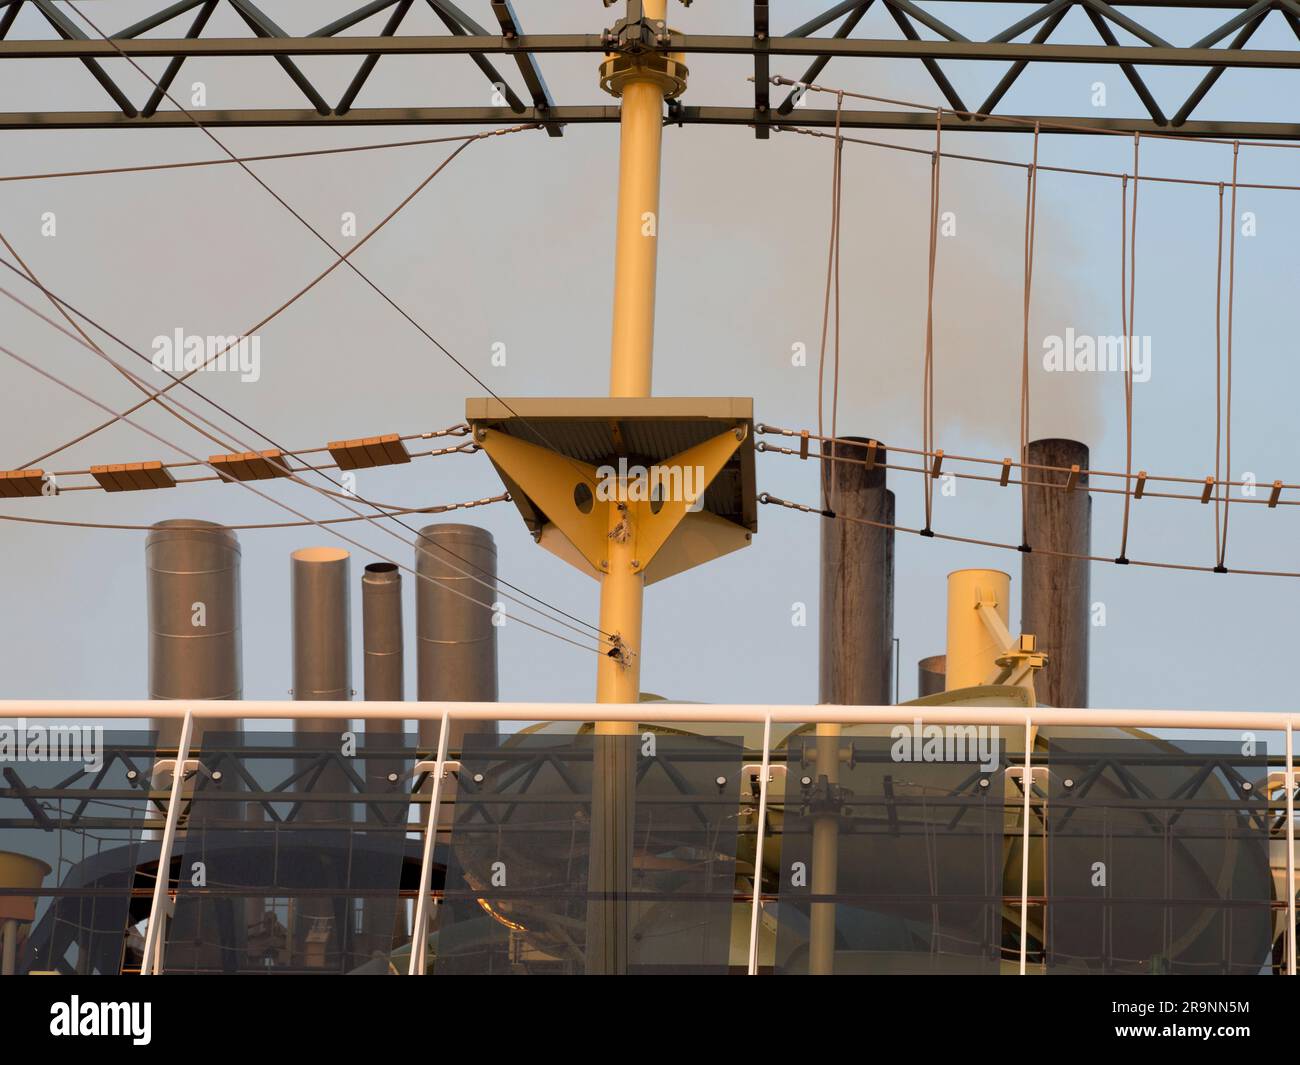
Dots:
{"x": 1290, "y": 856}
{"x": 420, "y": 934}
{"x": 764, "y": 773}
{"x": 1026, "y": 784}
{"x": 151, "y": 965}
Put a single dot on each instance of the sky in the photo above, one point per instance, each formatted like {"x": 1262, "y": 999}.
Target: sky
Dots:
{"x": 512, "y": 245}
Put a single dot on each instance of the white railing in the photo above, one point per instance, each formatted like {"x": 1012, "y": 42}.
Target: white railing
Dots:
{"x": 446, "y": 713}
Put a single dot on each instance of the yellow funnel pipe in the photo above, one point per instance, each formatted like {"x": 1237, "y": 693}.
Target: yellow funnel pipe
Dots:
{"x": 20, "y": 871}
{"x": 17, "y": 871}
{"x": 972, "y": 649}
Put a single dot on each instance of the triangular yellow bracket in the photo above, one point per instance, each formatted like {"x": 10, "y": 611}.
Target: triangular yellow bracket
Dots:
{"x": 689, "y": 474}
{"x": 562, "y": 488}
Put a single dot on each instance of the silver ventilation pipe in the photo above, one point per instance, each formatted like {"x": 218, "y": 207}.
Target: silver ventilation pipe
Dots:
{"x": 455, "y": 634}
{"x": 381, "y": 638}
{"x": 192, "y": 573}
{"x": 384, "y": 680}
{"x": 322, "y": 648}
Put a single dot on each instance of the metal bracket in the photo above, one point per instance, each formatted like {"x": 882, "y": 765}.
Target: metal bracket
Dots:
{"x": 430, "y": 767}
{"x": 754, "y": 774}
{"x": 165, "y": 768}
{"x": 1038, "y": 774}
{"x": 635, "y": 34}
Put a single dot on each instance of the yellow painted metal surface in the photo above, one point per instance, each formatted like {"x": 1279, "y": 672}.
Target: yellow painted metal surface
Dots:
{"x": 700, "y": 464}
{"x": 972, "y": 649}
{"x": 551, "y": 481}
{"x": 20, "y": 871}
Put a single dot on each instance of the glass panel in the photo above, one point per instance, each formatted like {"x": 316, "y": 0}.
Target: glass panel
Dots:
{"x": 73, "y": 804}
{"x": 1158, "y": 856}
{"x": 585, "y": 854}
{"x": 292, "y": 855}
{"x": 891, "y": 859}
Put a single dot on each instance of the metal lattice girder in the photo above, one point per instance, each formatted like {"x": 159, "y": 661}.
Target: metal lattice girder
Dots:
{"x": 703, "y": 44}
{"x": 1216, "y": 51}
{"x": 723, "y": 116}
{"x": 527, "y": 63}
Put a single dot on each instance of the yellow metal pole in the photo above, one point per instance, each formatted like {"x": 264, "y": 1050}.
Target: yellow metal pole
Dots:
{"x": 825, "y": 854}
{"x": 642, "y": 82}
{"x": 622, "y": 588}
{"x": 636, "y": 237}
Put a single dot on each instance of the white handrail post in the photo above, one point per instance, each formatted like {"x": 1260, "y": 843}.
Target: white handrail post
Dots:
{"x": 1026, "y": 783}
{"x": 151, "y": 965}
{"x": 764, "y": 773}
{"x": 1290, "y": 856}
{"x": 419, "y": 933}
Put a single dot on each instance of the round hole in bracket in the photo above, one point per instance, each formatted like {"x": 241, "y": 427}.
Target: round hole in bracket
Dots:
{"x": 656, "y": 498}
{"x": 582, "y": 497}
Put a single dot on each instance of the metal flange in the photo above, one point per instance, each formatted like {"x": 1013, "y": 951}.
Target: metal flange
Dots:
{"x": 667, "y": 69}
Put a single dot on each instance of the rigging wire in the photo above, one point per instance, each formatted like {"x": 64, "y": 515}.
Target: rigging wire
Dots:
{"x": 290, "y": 454}
{"x": 279, "y": 503}
{"x": 345, "y": 257}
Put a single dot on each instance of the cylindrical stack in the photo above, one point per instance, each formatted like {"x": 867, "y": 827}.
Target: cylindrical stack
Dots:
{"x": 455, "y": 636}
{"x": 930, "y": 675}
{"x": 857, "y": 580}
{"x": 194, "y": 630}
{"x": 973, "y": 650}
{"x": 1054, "y": 592}
{"x": 381, "y": 640}
{"x": 381, "y": 628}
{"x": 322, "y": 664}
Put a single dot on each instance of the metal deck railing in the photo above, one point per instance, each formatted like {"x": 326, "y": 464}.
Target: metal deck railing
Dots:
{"x": 1259, "y": 796}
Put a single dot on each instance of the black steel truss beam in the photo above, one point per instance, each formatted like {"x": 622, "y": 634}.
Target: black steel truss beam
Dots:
{"x": 173, "y": 68}
{"x": 762, "y": 71}
{"x": 705, "y": 44}
{"x": 923, "y": 121}
{"x": 400, "y": 8}
{"x": 527, "y": 63}
{"x": 855, "y": 14}
{"x": 463, "y": 27}
{"x": 1221, "y": 49}
{"x": 70, "y": 32}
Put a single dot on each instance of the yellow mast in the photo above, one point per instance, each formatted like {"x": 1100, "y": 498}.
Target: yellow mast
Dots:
{"x": 642, "y": 80}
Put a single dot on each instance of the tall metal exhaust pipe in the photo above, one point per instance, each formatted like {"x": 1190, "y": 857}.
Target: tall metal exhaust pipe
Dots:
{"x": 381, "y": 629}
{"x": 192, "y": 572}
{"x": 1054, "y": 592}
{"x": 322, "y": 659}
{"x": 384, "y": 679}
{"x": 856, "y": 655}
{"x": 856, "y": 648}
{"x": 455, "y": 636}
{"x": 322, "y": 669}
